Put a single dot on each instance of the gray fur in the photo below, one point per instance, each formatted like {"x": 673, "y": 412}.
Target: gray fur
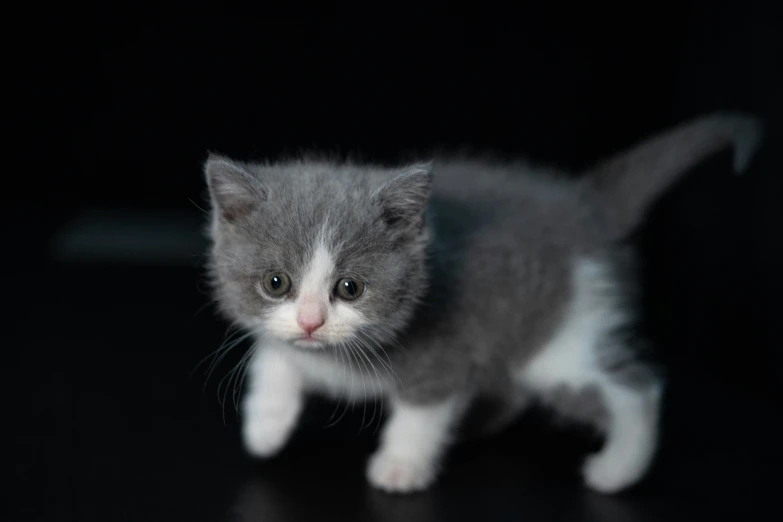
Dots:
{"x": 470, "y": 267}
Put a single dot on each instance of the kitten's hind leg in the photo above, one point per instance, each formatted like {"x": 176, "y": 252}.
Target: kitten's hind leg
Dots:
{"x": 413, "y": 442}
{"x": 272, "y": 405}
{"x": 631, "y": 436}
{"x": 596, "y": 349}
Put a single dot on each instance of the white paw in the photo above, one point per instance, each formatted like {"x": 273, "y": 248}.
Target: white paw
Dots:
{"x": 608, "y": 474}
{"x": 399, "y": 475}
{"x": 265, "y": 436}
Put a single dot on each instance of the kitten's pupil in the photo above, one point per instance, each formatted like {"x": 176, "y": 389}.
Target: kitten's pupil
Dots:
{"x": 276, "y": 282}
{"x": 350, "y": 287}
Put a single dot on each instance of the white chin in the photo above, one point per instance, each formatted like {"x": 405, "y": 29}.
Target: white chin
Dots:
{"x": 310, "y": 344}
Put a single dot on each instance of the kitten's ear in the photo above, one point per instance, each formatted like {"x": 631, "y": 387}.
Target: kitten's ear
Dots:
{"x": 235, "y": 192}
{"x": 404, "y": 199}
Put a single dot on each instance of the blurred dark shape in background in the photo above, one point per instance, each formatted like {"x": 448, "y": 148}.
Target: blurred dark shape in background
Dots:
{"x": 103, "y": 244}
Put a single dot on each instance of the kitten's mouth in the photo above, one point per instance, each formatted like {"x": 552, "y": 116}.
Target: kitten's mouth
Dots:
{"x": 307, "y": 341}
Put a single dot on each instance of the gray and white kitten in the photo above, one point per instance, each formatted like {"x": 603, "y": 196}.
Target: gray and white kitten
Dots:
{"x": 441, "y": 283}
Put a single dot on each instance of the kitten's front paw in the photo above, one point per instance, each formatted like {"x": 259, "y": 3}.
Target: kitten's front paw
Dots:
{"x": 265, "y": 436}
{"x": 394, "y": 474}
{"x": 607, "y": 474}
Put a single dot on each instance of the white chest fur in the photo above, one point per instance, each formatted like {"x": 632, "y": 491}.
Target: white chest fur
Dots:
{"x": 349, "y": 376}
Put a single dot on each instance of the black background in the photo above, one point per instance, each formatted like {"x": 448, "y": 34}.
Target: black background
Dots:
{"x": 119, "y": 108}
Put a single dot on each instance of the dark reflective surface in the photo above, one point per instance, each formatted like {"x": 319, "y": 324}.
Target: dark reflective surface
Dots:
{"x": 120, "y": 430}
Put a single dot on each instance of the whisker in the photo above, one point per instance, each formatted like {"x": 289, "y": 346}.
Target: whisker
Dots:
{"x": 220, "y": 354}
{"x": 228, "y": 345}
{"x": 201, "y": 308}
{"x": 238, "y": 391}
{"x": 400, "y": 346}
{"x": 350, "y": 365}
{"x": 229, "y": 335}
{"x": 198, "y": 207}
{"x": 348, "y": 399}
{"x": 219, "y": 358}
{"x": 340, "y": 398}
{"x": 376, "y": 386}
{"x": 232, "y": 376}
{"x": 385, "y": 364}
{"x": 380, "y": 386}
{"x": 364, "y": 385}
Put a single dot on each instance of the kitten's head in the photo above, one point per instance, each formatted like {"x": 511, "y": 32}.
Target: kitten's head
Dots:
{"x": 316, "y": 254}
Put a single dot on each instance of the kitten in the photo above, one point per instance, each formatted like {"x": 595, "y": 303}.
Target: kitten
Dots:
{"x": 434, "y": 291}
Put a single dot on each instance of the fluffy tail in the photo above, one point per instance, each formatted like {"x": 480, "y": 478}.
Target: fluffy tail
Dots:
{"x": 632, "y": 180}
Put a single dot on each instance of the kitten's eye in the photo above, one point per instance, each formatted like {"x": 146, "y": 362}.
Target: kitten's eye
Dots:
{"x": 349, "y": 289}
{"x": 277, "y": 284}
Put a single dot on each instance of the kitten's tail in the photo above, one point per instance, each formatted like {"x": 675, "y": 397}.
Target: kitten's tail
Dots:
{"x": 632, "y": 180}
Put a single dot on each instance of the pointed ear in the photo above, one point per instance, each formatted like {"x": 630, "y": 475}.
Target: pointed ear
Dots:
{"x": 235, "y": 192}
{"x": 403, "y": 200}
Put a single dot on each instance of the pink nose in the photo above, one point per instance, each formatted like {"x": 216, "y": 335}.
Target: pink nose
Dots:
{"x": 310, "y": 323}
